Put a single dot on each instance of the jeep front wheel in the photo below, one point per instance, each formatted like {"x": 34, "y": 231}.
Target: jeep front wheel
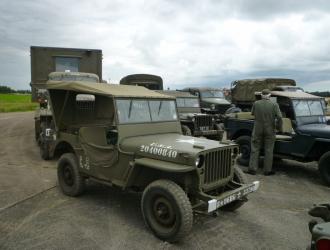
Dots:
{"x": 244, "y": 143}
{"x": 70, "y": 180}
{"x": 324, "y": 167}
{"x": 167, "y": 210}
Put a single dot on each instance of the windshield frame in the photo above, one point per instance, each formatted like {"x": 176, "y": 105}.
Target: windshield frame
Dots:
{"x": 144, "y": 99}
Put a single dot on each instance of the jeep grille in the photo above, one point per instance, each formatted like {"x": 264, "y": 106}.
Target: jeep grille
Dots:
{"x": 203, "y": 122}
{"x": 218, "y": 166}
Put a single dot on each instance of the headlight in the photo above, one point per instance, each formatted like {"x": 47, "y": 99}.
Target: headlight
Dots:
{"x": 234, "y": 153}
{"x": 199, "y": 161}
{"x": 212, "y": 106}
{"x": 193, "y": 119}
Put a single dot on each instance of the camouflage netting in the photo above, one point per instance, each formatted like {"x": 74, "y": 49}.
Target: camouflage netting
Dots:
{"x": 243, "y": 90}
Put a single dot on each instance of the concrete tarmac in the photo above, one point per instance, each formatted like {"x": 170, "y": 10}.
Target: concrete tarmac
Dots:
{"x": 34, "y": 214}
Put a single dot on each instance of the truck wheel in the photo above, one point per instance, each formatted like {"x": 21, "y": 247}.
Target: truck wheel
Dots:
{"x": 70, "y": 180}
{"x": 44, "y": 150}
{"x": 186, "y": 130}
{"x": 167, "y": 210}
{"x": 239, "y": 177}
{"x": 244, "y": 143}
{"x": 324, "y": 167}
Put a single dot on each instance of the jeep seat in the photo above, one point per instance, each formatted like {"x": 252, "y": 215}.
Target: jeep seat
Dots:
{"x": 287, "y": 130}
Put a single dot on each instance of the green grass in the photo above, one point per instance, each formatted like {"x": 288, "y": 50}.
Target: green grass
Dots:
{"x": 16, "y": 102}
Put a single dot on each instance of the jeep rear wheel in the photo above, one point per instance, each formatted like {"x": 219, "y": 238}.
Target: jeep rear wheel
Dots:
{"x": 324, "y": 167}
{"x": 167, "y": 210}
{"x": 244, "y": 143}
{"x": 239, "y": 177}
{"x": 70, "y": 180}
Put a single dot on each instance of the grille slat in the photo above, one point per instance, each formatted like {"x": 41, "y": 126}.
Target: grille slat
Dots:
{"x": 217, "y": 165}
{"x": 204, "y": 121}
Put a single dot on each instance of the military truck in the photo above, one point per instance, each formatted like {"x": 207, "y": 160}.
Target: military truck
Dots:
{"x": 243, "y": 91}
{"x": 152, "y": 82}
{"x": 212, "y": 100}
{"x": 305, "y": 134}
{"x": 320, "y": 231}
{"x": 130, "y": 137}
{"x": 193, "y": 121}
{"x": 70, "y": 62}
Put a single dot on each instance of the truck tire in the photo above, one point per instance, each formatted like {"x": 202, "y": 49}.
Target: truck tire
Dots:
{"x": 324, "y": 167}
{"x": 186, "y": 130}
{"x": 244, "y": 143}
{"x": 71, "y": 182}
{"x": 167, "y": 210}
{"x": 37, "y": 130}
{"x": 44, "y": 150}
{"x": 239, "y": 177}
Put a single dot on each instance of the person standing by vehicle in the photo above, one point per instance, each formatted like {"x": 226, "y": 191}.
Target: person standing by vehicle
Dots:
{"x": 265, "y": 112}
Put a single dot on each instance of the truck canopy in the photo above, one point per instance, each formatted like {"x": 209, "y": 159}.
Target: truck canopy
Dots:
{"x": 153, "y": 82}
{"x": 244, "y": 90}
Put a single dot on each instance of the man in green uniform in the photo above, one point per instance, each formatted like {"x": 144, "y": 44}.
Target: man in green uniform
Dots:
{"x": 265, "y": 112}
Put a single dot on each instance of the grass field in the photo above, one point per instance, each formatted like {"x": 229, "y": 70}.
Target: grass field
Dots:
{"x": 16, "y": 102}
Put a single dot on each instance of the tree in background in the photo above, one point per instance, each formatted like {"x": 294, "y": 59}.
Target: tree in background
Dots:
{"x": 6, "y": 90}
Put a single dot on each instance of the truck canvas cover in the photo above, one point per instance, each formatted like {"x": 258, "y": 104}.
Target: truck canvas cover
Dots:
{"x": 243, "y": 90}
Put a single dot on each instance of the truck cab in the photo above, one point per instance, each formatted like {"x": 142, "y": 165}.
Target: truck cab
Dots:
{"x": 212, "y": 100}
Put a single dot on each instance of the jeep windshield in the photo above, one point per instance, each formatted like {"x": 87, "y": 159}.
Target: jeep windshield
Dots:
{"x": 308, "y": 107}
{"x": 187, "y": 102}
{"x": 143, "y": 111}
{"x": 212, "y": 94}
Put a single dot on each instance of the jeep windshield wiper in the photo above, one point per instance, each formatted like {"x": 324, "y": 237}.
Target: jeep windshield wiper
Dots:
{"x": 160, "y": 106}
{"x": 130, "y": 109}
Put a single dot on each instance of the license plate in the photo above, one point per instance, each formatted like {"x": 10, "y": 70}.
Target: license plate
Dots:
{"x": 217, "y": 203}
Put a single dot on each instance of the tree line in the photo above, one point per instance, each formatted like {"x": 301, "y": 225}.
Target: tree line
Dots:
{"x": 7, "y": 90}
{"x": 322, "y": 93}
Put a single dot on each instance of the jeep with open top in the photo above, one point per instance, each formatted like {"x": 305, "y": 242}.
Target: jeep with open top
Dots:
{"x": 305, "y": 135}
{"x": 130, "y": 137}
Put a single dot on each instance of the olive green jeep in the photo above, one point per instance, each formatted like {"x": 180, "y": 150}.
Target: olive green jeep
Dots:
{"x": 130, "y": 137}
{"x": 193, "y": 121}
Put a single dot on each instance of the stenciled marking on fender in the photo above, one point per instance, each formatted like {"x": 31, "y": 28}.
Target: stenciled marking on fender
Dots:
{"x": 159, "y": 149}
{"x": 84, "y": 162}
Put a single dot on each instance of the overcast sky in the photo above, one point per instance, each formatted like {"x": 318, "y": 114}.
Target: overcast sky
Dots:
{"x": 186, "y": 42}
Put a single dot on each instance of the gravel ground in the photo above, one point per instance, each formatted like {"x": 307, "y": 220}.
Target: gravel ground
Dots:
{"x": 34, "y": 214}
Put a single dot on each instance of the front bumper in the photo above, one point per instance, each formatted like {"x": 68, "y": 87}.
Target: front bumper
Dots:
{"x": 232, "y": 195}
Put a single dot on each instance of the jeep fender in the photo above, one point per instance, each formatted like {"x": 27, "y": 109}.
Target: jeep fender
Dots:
{"x": 164, "y": 165}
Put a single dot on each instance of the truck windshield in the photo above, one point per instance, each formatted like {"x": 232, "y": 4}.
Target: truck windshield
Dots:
{"x": 308, "y": 107}
{"x": 141, "y": 111}
{"x": 187, "y": 102}
{"x": 212, "y": 94}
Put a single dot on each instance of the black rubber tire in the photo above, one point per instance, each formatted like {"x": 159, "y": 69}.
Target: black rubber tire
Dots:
{"x": 44, "y": 150}
{"x": 37, "y": 130}
{"x": 170, "y": 198}
{"x": 186, "y": 130}
{"x": 244, "y": 143}
{"x": 324, "y": 167}
{"x": 71, "y": 182}
{"x": 239, "y": 177}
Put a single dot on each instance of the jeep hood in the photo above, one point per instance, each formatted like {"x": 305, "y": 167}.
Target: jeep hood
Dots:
{"x": 169, "y": 147}
{"x": 220, "y": 101}
{"x": 190, "y": 115}
{"x": 315, "y": 130}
